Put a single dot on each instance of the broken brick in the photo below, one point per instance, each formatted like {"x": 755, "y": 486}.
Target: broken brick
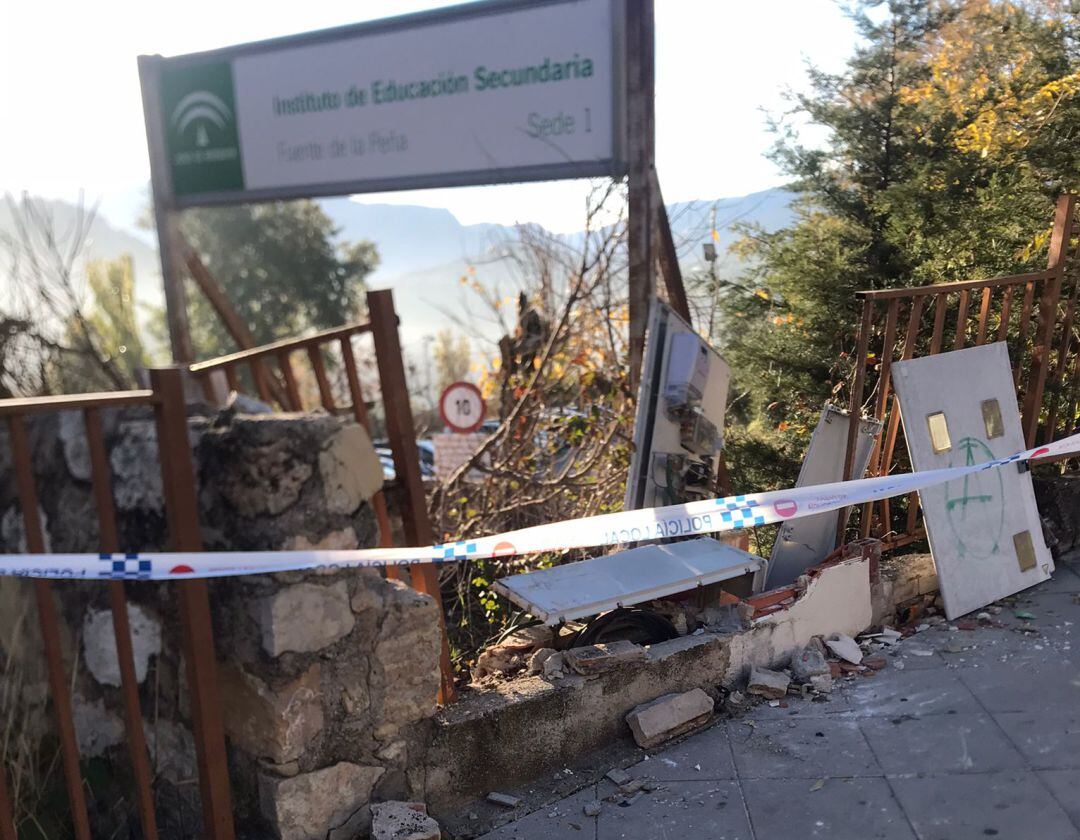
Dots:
{"x": 669, "y": 716}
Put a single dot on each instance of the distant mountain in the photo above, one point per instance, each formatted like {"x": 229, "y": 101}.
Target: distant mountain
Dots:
{"x": 424, "y": 251}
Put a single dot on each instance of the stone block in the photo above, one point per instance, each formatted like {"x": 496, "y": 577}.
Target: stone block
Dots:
{"x": 304, "y": 617}
{"x": 593, "y": 659}
{"x": 350, "y": 469}
{"x": 669, "y": 716}
{"x": 402, "y": 821}
{"x": 266, "y": 479}
{"x": 766, "y": 683}
{"x": 136, "y": 470}
{"x": 99, "y": 643}
{"x": 808, "y": 662}
{"x": 928, "y": 584}
{"x": 96, "y": 728}
{"x": 277, "y": 725}
{"x": 406, "y": 658}
{"x": 73, "y": 441}
{"x": 310, "y": 805}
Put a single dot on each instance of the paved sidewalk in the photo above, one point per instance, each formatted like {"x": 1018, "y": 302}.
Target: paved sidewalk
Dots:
{"x": 966, "y": 734}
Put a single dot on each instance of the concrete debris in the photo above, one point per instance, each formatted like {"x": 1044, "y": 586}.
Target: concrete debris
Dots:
{"x": 504, "y": 799}
{"x": 846, "y": 648}
{"x": 722, "y": 618}
{"x": 617, "y": 776}
{"x": 807, "y": 663}
{"x": 537, "y": 660}
{"x": 875, "y": 663}
{"x": 822, "y": 683}
{"x": 553, "y": 667}
{"x": 771, "y": 684}
{"x": 514, "y": 652}
{"x": 402, "y": 821}
{"x": 592, "y": 808}
{"x": 631, "y": 787}
{"x": 669, "y": 716}
{"x": 594, "y": 659}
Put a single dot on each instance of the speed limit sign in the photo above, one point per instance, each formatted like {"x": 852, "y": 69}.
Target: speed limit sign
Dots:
{"x": 461, "y": 407}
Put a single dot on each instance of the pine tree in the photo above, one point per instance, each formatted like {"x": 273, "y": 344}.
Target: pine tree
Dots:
{"x": 950, "y": 133}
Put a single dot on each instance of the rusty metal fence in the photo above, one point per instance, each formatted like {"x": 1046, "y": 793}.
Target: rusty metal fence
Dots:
{"x": 166, "y": 396}
{"x": 1033, "y": 313}
{"x": 273, "y": 372}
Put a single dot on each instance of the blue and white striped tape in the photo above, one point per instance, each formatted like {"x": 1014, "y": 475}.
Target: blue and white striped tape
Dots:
{"x": 693, "y": 518}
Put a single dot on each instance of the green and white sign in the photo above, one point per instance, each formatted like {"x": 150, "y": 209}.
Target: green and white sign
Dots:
{"x": 485, "y": 93}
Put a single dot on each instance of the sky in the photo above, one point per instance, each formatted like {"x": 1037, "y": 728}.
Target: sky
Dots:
{"x": 72, "y": 110}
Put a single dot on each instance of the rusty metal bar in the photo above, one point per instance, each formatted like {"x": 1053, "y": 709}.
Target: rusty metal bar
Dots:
{"x": 1074, "y": 396}
{"x": 182, "y": 515}
{"x": 326, "y": 396}
{"x": 289, "y": 375}
{"x": 36, "y": 405}
{"x": 259, "y": 377}
{"x": 959, "y": 286}
{"x": 855, "y": 407}
{"x": 273, "y": 348}
{"x": 984, "y": 316}
{"x": 129, "y": 684}
{"x": 50, "y": 628}
{"x": 356, "y": 394}
{"x": 882, "y": 401}
{"x": 402, "y": 435}
{"x": 1048, "y": 310}
{"x": 231, "y": 379}
{"x": 1025, "y": 318}
{"x": 1006, "y": 311}
{"x": 1057, "y": 376}
{"x": 914, "y": 320}
{"x": 961, "y": 321}
{"x": 941, "y": 304}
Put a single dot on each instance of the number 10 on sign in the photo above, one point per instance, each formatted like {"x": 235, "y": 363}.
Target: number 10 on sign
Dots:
{"x": 461, "y": 407}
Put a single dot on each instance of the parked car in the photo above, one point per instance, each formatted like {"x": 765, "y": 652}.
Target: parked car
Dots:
{"x": 425, "y": 449}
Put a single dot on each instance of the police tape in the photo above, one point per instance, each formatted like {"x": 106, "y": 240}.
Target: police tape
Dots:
{"x": 706, "y": 516}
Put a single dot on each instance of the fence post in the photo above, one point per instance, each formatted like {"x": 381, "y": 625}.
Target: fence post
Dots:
{"x": 1040, "y": 352}
{"x": 402, "y": 435}
{"x": 50, "y": 629}
{"x": 182, "y": 515}
{"x": 855, "y": 408}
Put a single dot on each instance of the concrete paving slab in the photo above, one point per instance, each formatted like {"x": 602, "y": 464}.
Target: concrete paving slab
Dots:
{"x": 1064, "y": 784}
{"x": 1064, "y": 579}
{"x": 1018, "y": 686}
{"x": 842, "y": 809}
{"x": 1010, "y": 805}
{"x": 940, "y": 744}
{"x": 921, "y": 693}
{"x": 706, "y": 756}
{"x": 1048, "y": 742}
{"x": 912, "y": 662}
{"x": 808, "y": 748}
{"x": 711, "y": 809}
{"x": 831, "y": 704}
{"x": 565, "y": 818}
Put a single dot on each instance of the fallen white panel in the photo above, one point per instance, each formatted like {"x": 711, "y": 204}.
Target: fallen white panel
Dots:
{"x": 589, "y": 587}
{"x": 984, "y": 530}
{"x": 804, "y": 542}
{"x": 656, "y": 432}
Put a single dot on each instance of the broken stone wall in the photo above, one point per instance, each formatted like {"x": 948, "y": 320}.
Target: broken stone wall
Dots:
{"x": 323, "y": 674}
